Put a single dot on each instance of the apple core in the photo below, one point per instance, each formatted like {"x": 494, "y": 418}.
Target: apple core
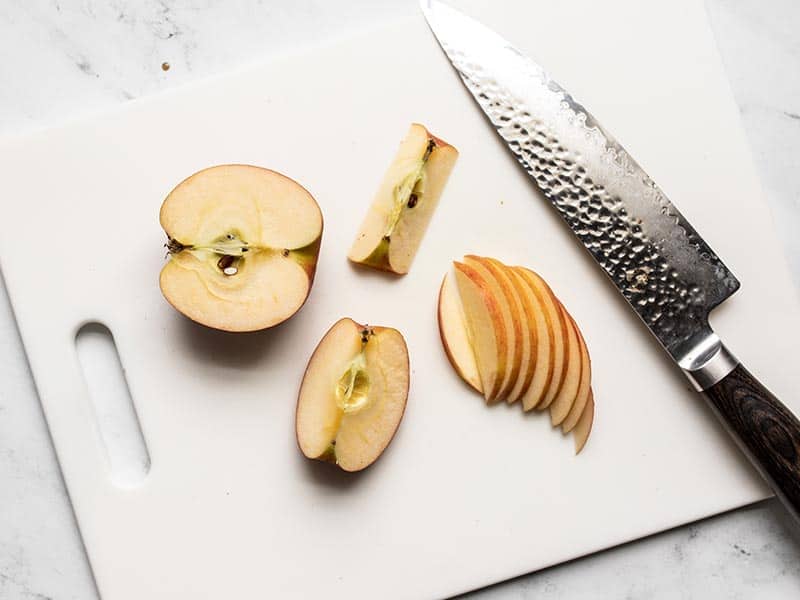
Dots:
{"x": 352, "y": 391}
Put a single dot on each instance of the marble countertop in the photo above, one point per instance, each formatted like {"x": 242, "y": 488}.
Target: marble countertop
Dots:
{"x": 64, "y": 58}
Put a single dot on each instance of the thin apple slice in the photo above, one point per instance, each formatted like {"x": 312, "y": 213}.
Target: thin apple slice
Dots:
{"x": 502, "y": 290}
{"x": 585, "y": 389}
{"x": 454, "y": 333}
{"x": 353, "y": 395}
{"x": 558, "y": 328}
{"x": 486, "y": 328}
{"x": 524, "y": 311}
{"x": 393, "y": 228}
{"x": 538, "y": 320}
{"x": 584, "y": 425}
{"x": 566, "y": 396}
{"x": 243, "y": 244}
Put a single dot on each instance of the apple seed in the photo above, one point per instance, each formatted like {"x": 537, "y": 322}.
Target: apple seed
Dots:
{"x": 428, "y": 150}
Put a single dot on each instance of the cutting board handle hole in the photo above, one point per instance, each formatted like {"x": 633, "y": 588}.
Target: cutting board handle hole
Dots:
{"x": 111, "y": 400}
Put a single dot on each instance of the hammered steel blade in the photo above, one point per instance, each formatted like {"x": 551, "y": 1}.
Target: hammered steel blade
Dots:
{"x": 659, "y": 263}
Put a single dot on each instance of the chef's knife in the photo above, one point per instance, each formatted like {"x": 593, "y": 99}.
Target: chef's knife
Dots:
{"x": 663, "y": 268}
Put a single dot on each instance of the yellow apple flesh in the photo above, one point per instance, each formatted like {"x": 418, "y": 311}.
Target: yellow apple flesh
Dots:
{"x": 405, "y": 202}
{"x": 584, "y": 426}
{"x": 243, "y": 244}
{"x": 585, "y": 390}
{"x": 558, "y": 335}
{"x": 510, "y": 317}
{"x": 485, "y": 327}
{"x": 353, "y": 395}
{"x": 542, "y": 369}
{"x": 560, "y": 357}
{"x": 526, "y": 313}
{"x": 454, "y": 333}
{"x": 565, "y": 398}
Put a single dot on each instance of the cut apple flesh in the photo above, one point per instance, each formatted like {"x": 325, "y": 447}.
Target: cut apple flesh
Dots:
{"x": 542, "y": 370}
{"x": 243, "y": 244}
{"x": 485, "y": 327}
{"x": 526, "y": 328}
{"x": 584, "y": 390}
{"x": 565, "y": 398}
{"x": 404, "y": 204}
{"x": 453, "y": 331}
{"x": 476, "y": 304}
{"x": 558, "y": 335}
{"x": 353, "y": 395}
{"x": 499, "y": 287}
{"x": 584, "y": 425}
{"x": 560, "y": 339}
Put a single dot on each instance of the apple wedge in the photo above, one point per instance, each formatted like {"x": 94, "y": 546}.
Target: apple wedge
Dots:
{"x": 566, "y": 396}
{"x": 584, "y": 425}
{"x": 454, "y": 334}
{"x": 353, "y": 395}
{"x": 558, "y": 329}
{"x": 404, "y": 204}
{"x": 584, "y": 390}
{"x": 242, "y": 247}
{"x": 542, "y": 368}
{"x": 502, "y": 290}
{"x": 486, "y": 328}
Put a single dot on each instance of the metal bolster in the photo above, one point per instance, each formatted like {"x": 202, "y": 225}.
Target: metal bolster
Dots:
{"x": 707, "y": 361}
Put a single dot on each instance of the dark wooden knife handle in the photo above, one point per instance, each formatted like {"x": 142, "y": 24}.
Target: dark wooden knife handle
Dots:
{"x": 764, "y": 428}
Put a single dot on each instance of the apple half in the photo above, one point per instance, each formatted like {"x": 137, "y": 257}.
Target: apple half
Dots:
{"x": 242, "y": 246}
{"x": 404, "y": 204}
{"x": 353, "y": 395}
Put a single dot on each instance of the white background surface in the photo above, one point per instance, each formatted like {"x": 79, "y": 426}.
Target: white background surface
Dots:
{"x": 64, "y": 59}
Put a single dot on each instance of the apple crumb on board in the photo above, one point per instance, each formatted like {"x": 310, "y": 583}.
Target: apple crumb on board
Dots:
{"x": 510, "y": 338}
{"x": 396, "y": 221}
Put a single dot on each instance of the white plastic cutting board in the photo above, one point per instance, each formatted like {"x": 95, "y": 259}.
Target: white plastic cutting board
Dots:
{"x": 465, "y": 495}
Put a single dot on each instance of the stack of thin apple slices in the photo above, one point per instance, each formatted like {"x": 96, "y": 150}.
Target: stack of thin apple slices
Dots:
{"x": 510, "y": 338}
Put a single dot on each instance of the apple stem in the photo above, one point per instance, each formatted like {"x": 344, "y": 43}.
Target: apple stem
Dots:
{"x": 173, "y": 246}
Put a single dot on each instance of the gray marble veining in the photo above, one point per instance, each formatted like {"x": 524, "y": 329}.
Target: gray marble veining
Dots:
{"x": 64, "y": 58}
